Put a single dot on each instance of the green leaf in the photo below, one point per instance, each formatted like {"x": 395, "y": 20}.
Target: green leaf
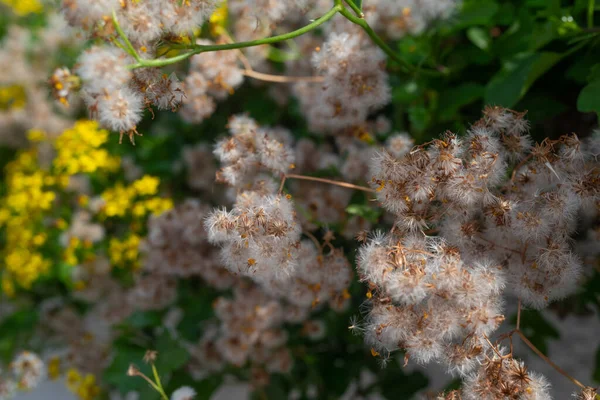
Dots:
{"x": 18, "y": 322}
{"x": 204, "y": 388}
{"x": 541, "y": 107}
{"x": 144, "y": 319}
{"x": 116, "y": 373}
{"x": 589, "y": 98}
{"x": 476, "y": 12}
{"x": 362, "y": 210}
{"x": 451, "y": 100}
{"x": 171, "y": 355}
{"x": 419, "y": 117}
{"x": 516, "y": 77}
{"x": 479, "y": 37}
{"x": 397, "y": 385}
{"x": 405, "y": 92}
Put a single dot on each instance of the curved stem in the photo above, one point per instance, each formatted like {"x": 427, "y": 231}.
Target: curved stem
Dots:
{"x": 375, "y": 38}
{"x": 281, "y": 78}
{"x": 355, "y": 8}
{"x": 519, "y": 315}
{"x": 197, "y": 49}
{"x": 129, "y": 47}
{"x": 549, "y": 361}
{"x": 161, "y": 390}
{"x": 590, "y": 13}
{"x": 405, "y": 66}
{"x": 329, "y": 181}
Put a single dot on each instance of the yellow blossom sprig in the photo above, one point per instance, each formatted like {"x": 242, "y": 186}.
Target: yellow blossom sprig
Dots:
{"x": 137, "y": 200}
{"x": 79, "y": 150}
{"x": 12, "y": 96}
{"x": 33, "y": 193}
{"x": 84, "y": 387}
{"x": 24, "y": 7}
{"x": 125, "y": 252}
{"x": 29, "y": 197}
{"x": 218, "y": 19}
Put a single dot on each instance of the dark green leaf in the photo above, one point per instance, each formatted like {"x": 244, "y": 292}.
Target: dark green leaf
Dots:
{"x": 589, "y": 98}
{"x": 451, "y": 100}
{"x": 476, "y": 12}
{"x": 516, "y": 77}
{"x": 369, "y": 213}
{"x": 143, "y": 319}
{"x": 171, "y": 355}
{"x": 419, "y": 117}
{"x": 406, "y": 92}
{"x": 479, "y": 37}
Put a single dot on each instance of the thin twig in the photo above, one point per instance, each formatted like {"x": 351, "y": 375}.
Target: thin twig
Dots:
{"x": 281, "y": 78}
{"x": 492, "y": 346}
{"x": 154, "y": 385}
{"x": 497, "y": 245}
{"x": 519, "y": 315}
{"x": 331, "y": 182}
{"x": 519, "y": 165}
{"x": 315, "y": 241}
{"x": 283, "y": 178}
{"x": 549, "y": 361}
{"x": 250, "y": 72}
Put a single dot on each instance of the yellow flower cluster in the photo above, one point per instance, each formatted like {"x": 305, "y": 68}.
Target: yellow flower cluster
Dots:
{"x": 54, "y": 368}
{"x": 125, "y": 252}
{"x": 73, "y": 252}
{"x": 12, "y": 96}
{"x": 24, "y": 7}
{"x": 134, "y": 199}
{"x": 84, "y": 387}
{"x": 218, "y": 19}
{"x": 78, "y": 150}
{"x": 29, "y": 212}
{"x": 21, "y": 210}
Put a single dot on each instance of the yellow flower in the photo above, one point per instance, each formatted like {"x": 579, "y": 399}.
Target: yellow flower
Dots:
{"x": 78, "y": 149}
{"x": 54, "y": 368}
{"x": 158, "y": 205}
{"x": 12, "y": 97}
{"x": 36, "y": 135}
{"x": 125, "y": 252}
{"x": 139, "y": 209}
{"x": 218, "y": 19}
{"x": 8, "y": 287}
{"x": 4, "y": 216}
{"x": 146, "y": 186}
{"x": 73, "y": 379}
{"x": 39, "y": 239}
{"x": 88, "y": 389}
{"x": 117, "y": 200}
{"x": 24, "y": 7}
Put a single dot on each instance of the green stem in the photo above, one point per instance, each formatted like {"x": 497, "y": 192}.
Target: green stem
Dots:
{"x": 355, "y": 8}
{"x": 375, "y": 38}
{"x": 159, "y": 385}
{"x": 197, "y": 49}
{"x": 406, "y": 67}
{"x": 154, "y": 386}
{"x": 590, "y": 13}
{"x": 128, "y": 44}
